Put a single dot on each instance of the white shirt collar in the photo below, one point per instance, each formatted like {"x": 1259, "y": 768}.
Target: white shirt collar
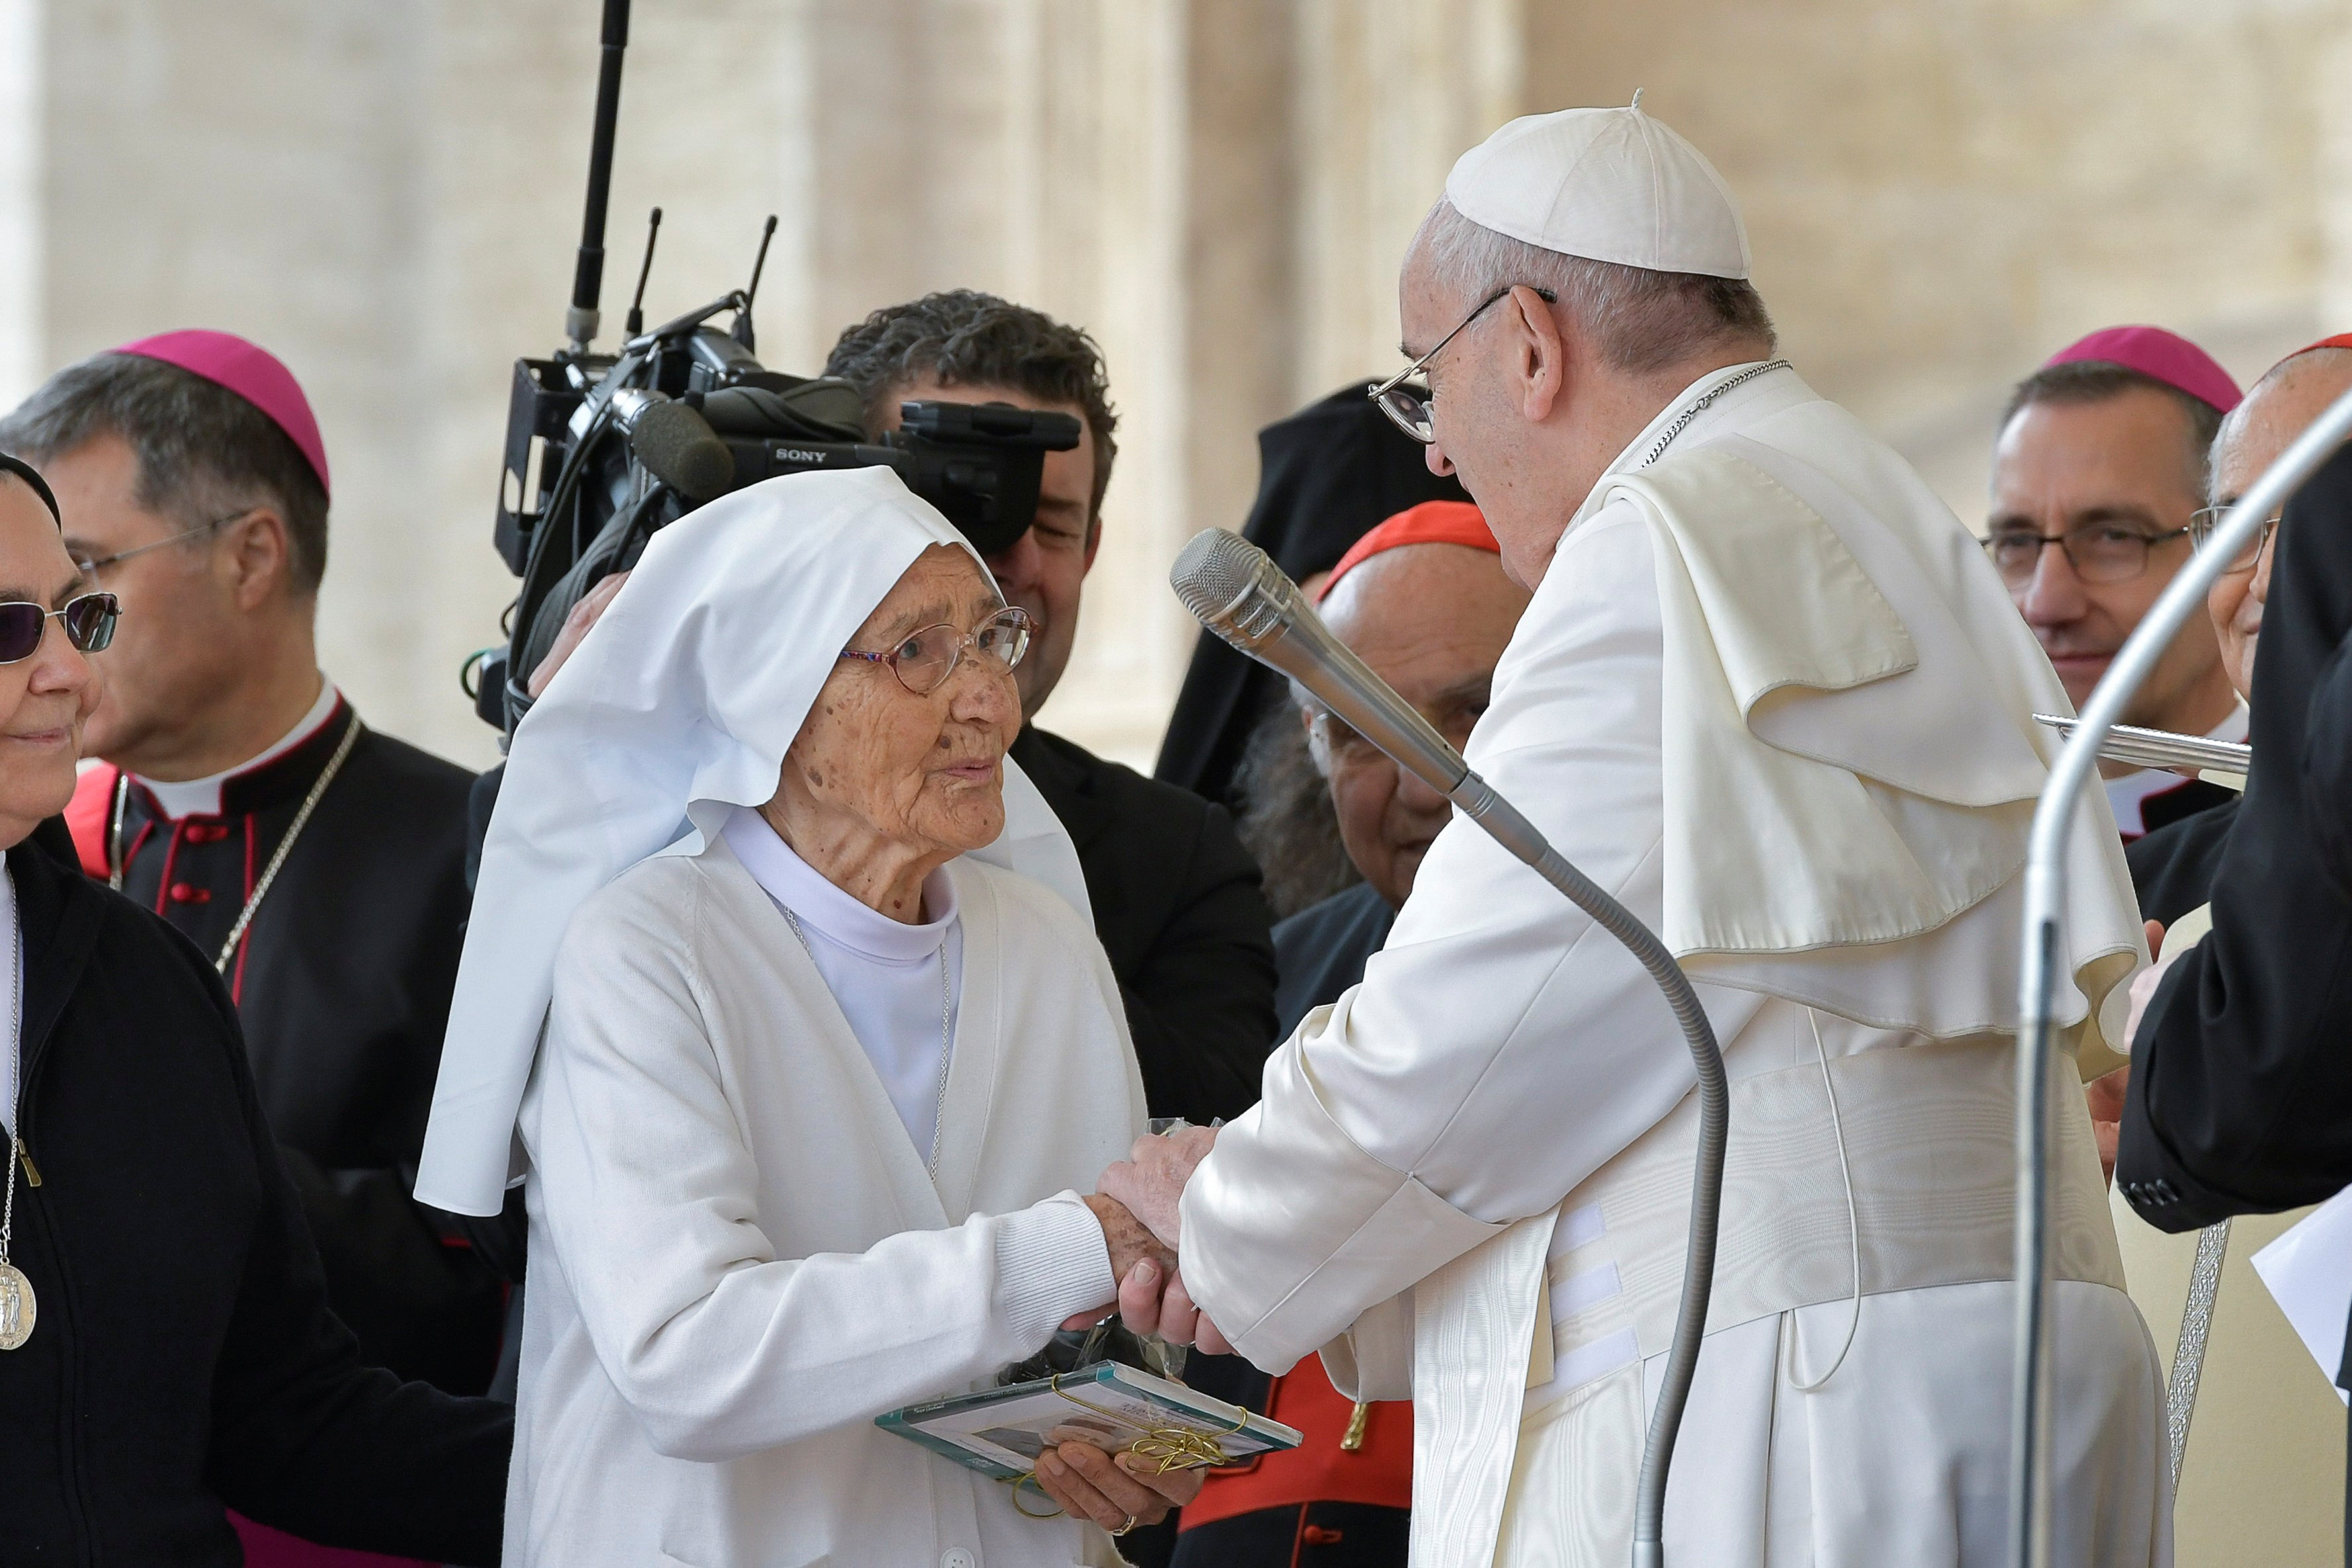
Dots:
{"x": 822, "y": 907}
{"x": 202, "y": 796}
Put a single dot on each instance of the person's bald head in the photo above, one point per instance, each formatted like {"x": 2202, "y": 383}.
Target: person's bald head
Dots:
{"x": 2280, "y": 407}
{"x": 1431, "y": 620}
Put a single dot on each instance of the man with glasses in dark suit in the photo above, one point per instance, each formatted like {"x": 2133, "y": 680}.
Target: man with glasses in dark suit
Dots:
{"x": 2099, "y": 467}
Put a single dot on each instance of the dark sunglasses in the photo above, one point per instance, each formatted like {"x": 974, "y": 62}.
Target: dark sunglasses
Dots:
{"x": 88, "y": 623}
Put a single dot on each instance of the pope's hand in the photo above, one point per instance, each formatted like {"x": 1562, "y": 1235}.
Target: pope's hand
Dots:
{"x": 1152, "y": 1176}
{"x": 2143, "y": 984}
{"x": 2105, "y": 1096}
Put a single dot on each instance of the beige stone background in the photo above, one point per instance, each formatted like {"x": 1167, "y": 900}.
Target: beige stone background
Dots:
{"x": 386, "y": 193}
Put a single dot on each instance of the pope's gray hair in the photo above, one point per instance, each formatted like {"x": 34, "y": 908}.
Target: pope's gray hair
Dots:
{"x": 1640, "y": 321}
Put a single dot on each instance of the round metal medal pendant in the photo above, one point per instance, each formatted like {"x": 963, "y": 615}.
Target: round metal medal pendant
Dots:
{"x": 17, "y": 1307}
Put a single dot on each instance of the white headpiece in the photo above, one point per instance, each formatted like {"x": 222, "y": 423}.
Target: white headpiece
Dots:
{"x": 676, "y": 708}
{"x": 1608, "y": 185}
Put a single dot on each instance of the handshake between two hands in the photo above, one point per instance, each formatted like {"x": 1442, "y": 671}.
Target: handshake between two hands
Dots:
{"x": 1136, "y": 1209}
{"x": 1136, "y": 1202}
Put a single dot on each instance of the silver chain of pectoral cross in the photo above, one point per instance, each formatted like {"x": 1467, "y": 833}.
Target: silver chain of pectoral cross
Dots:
{"x": 1699, "y": 405}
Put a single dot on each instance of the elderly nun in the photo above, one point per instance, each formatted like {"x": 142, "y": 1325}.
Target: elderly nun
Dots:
{"x": 829, "y": 1053}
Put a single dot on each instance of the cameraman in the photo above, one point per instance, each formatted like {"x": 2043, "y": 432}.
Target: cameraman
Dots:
{"x": 1176, "y": 898}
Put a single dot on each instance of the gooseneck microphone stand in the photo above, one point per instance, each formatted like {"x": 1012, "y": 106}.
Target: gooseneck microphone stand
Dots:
{"x": 1237, "y": 591}
{"x": 2045, "y": 892}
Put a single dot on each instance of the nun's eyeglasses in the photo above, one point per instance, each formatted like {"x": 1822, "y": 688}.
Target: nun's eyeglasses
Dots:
{"x": 88, "y": 621}
{"x": 924, "y": 660}
{"x": 1408, "y": 407}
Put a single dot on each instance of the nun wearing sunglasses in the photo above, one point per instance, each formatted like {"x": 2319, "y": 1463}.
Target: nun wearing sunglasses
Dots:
{"x": 166, "y": 1350}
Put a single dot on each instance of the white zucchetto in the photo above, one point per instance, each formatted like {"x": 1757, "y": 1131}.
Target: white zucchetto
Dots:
{"x": 1608, "y": 185}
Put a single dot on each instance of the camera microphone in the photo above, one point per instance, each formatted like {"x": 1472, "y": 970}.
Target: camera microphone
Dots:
{"x": 674, "y": 442}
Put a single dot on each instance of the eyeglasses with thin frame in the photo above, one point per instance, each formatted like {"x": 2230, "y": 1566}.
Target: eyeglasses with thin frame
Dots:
{"x": 2099, "y": 552}
{"x": 924, "y": 659}
{"x": 88, "y": 621}
{"x": 1346, "y": 745}
{"x": 1409, "y": 410}
{"x": 2204, "y": 521}
{"x": 92, "y": 567}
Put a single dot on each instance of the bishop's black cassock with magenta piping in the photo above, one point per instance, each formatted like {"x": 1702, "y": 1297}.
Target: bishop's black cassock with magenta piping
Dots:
{"x": 342, "y": 984}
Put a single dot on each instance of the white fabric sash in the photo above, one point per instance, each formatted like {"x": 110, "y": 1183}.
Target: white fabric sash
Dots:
{"x": 1927, "y": 1131}
{"x": 1844, "y": 769}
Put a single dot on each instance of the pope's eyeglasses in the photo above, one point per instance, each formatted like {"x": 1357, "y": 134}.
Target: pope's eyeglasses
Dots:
{"x": 1408, "y": 408}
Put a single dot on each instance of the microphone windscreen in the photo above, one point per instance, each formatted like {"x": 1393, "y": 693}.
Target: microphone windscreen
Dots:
{"x": 679, "y": 448}
{"x": 1213, "y": 569}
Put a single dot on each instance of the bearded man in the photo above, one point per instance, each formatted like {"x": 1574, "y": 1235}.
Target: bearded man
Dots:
{"x": 1771, "y": 695}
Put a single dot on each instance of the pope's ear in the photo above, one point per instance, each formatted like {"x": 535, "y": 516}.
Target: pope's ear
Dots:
{"x": 1539, "y": 354}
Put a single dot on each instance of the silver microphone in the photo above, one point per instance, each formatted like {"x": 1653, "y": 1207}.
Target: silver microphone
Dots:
{"x": 1236, "y": 590}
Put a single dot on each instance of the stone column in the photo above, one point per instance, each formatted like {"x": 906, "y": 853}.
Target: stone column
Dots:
{"x": 1389, "y": 93}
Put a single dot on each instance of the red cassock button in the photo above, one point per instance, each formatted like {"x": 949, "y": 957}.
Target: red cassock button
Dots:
{"x": 207, "y": 833}
{"x": 189, "y": 893}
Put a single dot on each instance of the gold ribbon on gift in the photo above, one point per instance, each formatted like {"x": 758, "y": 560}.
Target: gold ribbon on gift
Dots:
{"x": 1174, "y": 1447}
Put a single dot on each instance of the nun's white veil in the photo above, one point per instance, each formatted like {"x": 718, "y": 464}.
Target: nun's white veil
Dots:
{"x": 678, "y": 707}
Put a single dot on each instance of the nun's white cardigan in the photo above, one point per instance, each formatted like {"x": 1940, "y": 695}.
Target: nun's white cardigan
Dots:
{"x": 738, "y": 1259}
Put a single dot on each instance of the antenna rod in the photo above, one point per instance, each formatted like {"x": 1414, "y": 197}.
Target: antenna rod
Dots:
{"x": 743, "y": 309}
{"x": 636, "y": 322}
{"x": 588, "y": 279}
{"x": 759, "y": 262}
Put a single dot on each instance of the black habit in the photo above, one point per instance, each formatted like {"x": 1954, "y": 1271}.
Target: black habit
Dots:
{"x": 2179, "y": 803}
{"x": 2172, "y": 867}
{"x": 1327, "y": 475}
{"x": 2240, "y": 1098}
{"x": 1177, "y": 905}
{"x": 184, "y": 1357}
{"x": 342, "y": 982}
{"x": 1321, "y": 950}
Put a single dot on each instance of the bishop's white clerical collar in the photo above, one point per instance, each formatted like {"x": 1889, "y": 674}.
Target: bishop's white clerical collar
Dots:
{"x": 202, "y": 796}
{"x": 825, "y": 909}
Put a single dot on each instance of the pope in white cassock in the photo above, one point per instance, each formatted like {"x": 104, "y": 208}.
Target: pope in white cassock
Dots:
{"x": 1769, "y": 694}
{"x": 820, "y": 1082}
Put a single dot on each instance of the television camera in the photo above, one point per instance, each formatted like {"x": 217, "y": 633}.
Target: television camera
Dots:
{"x": 604, "y": 450}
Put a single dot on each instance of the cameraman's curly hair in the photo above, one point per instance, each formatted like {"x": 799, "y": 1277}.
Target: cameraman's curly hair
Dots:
{"x": 967, "y": 338}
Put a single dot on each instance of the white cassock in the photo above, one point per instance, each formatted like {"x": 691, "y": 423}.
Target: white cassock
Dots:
{"x": 1772, "y": 697}
{"x": 739, "y": 1260}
